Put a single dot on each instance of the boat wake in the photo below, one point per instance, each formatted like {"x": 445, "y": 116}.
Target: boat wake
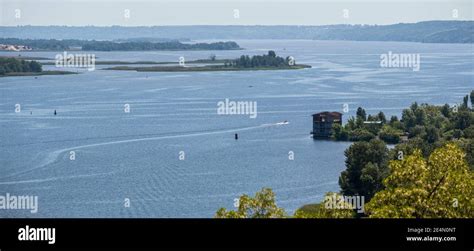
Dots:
{"x": 54, "y": 156}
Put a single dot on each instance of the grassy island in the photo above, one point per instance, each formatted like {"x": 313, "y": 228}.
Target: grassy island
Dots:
{"x": 10, "y": 67}
{"x": 269, "y": 61}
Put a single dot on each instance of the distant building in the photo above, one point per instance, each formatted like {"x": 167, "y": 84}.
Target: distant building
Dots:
{"x": 10, "y": 47}
{"x": 322, "y": 123}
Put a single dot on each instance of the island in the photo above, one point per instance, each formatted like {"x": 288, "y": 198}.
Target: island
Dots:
{"x": 17, "y": 44}
{"x": 11, "y": 66}
{"x": 269, "y": 61}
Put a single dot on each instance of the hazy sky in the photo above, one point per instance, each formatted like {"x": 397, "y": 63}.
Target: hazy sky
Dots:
{"x": 231, "y": 12}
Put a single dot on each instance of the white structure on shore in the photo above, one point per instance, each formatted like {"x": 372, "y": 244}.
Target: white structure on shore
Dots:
{"x": 11, "y": 47}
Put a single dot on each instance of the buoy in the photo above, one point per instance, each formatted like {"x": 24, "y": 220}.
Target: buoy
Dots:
{"x": 55, "y": 113}
{"x": 236, "y": 136}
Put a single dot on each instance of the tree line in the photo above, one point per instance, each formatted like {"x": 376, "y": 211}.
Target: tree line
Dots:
{"x": 93, "y": 45}
{"x": 427, "y": 122}
{"x": 11, "y": 65}
{"x": 266, "y": 60}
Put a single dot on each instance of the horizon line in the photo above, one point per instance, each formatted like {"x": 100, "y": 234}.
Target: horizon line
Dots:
{"x": 235, "y": 25}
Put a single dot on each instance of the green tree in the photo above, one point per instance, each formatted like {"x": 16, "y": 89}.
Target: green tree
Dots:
{"x": 35, "y": 66}
{"x": 446, "y": 110}
{"x": 381, "y": 117}
{"x": 366, "y": 166}
{"x": 414, "y": 106}
{"x": 395, "y": 123}
{"x": 338, "y": 132}
{"x": 432, "y": 134}
{"x": 360, "y": 134}
{"x": 465, "y": 101}
{"x": 393, "y": 119}
{"x": 321, "y": 210}
{"x": 408, "y": 119}
{"x": 472, "y": 99}
{"x": 390, "y": 134}
{"x": 417, "y": 131}
{"x": 420, "y": 116}
{"x": 440, "y": 187}
{"x": 468, "y": 146}
{"x": 463, "y": 119}
{"x": 361, "y": 113}
{"x": 263, "y": 205}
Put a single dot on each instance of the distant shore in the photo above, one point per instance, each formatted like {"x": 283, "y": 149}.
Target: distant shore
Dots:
{"x": 203, "y": 68}
{"x": 43, "y": 73}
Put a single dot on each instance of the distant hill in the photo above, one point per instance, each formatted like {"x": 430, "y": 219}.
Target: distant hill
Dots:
{"x": 427, "y": 32}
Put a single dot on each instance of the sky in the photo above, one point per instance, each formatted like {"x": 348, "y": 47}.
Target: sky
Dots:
{"x": 229, "y": 12}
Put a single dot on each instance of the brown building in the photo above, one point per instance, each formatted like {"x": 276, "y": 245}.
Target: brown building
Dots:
{"x": 322, "y": 123}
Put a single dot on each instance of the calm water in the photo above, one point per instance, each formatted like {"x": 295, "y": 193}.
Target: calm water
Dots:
{"x": 136, "y": 155}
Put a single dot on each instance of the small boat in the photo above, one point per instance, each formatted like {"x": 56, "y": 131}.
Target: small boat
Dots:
{"x": 283, "y": 123}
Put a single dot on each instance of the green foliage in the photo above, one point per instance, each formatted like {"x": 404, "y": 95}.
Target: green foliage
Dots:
{"x": 408, "y": 118}
{"x": 465, "y": 101}
{"x": 390, "y": 134}
{"x": 366, "y": 166}
{"x": 13, "y": 65}
{"x": 269, "y": 60}
{"x": 42, "y": 44}
{"x": 381, "y": 117}
{"x": 463, "y": 119}
{"x": 360, "y": 134}
{"x": 147, "y": 46}
{"x": 440, "y": 187}
{"x": 417, "y": 131}
{"x": 472, "y": 99}
{"x": 338, "y": 132}
{"x": 432, "y": 134}
{"x": 263, "y": 205}
{"x": 320, "y": 210}
{"x": 93, "y": 45}
{"x": 429, "y": 176}
{"x": 395, "y": 123}
{"x": 361, "y": 113}
{"x": 467, "y": 145}
{"x": 469, "y": 132}
{"x": 433, "y": 125}
{"x": 446, "y": 111}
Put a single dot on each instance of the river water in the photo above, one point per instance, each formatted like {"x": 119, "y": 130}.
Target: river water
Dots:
{"x": 172, "y": 155}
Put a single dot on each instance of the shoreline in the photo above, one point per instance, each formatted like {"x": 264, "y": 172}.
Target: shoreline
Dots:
{"x": 43, "y": 73}
{"x": 201, "y": 68}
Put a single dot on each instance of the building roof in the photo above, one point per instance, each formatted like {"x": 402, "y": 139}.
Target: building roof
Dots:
{"x": 372, "y": 122}
{"x": 335, "y": 114}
